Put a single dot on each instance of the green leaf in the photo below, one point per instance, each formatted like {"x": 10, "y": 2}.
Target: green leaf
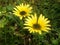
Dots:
{"x": 3, "y": 22}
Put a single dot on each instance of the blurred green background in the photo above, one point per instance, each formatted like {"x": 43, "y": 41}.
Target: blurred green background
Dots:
{"x": 11, "y": 27}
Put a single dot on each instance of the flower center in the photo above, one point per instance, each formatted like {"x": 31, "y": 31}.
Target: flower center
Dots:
{"x": 22, "y": 13}
{"x": 36, "y": 26}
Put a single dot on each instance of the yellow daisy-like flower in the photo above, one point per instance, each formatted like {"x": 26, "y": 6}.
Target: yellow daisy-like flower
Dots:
{"x": 22, "y": 10}
{"x": 37, "y": 25}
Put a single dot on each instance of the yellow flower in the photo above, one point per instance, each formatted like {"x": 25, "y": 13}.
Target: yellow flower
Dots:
{"x": 22, "y": 10}
{"x": 37, "y": 25}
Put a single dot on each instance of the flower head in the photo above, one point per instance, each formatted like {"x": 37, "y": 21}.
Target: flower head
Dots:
{"x": 37, "y": 25}
{"x": 22, "y": 10}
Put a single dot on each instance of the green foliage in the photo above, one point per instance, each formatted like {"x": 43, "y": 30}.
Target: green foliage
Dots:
{"x": 11, "y": 27}
{"x": 3, "y": 22}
